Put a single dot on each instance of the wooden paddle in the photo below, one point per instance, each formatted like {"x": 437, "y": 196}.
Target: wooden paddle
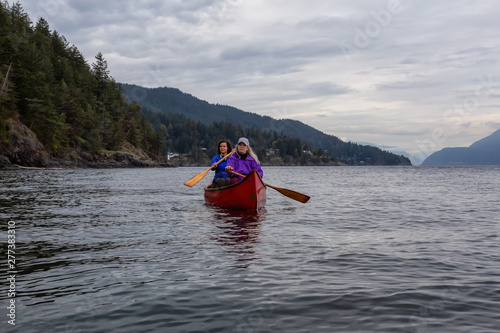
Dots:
{"x": 288, "y": 193}
{"x": 196, "y": 179}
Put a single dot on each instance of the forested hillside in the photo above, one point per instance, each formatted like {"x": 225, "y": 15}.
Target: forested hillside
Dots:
{"x": 74, "y": 108}
{"x": 199, "y": 141}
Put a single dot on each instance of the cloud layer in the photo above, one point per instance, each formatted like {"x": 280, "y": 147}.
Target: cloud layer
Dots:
{"x": 416, "y": 75}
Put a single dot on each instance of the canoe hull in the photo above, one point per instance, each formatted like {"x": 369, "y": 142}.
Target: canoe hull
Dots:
{"x": 249, "y": 194}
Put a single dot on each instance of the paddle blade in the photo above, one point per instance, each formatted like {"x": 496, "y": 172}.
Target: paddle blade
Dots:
{"x": 291, "y": 194}
{"x": 196, "y": 179}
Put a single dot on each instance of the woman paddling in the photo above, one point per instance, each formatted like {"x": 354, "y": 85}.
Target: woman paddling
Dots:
{"x": 243, "y": 161}
{"x": 221, "y": 178}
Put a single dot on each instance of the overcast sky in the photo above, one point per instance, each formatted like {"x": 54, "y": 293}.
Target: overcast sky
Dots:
{"x": 414, "y": 75}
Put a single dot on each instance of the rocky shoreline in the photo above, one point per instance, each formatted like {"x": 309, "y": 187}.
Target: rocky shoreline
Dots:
{"x": 24, "y": 150}
{"x": 117, "y": 159}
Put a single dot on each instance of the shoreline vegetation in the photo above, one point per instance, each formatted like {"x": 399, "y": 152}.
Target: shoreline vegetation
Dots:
{"x": 59, "y": 111}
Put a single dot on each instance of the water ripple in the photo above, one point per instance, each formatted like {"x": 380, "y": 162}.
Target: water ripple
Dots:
{"x": 375, "y": 250}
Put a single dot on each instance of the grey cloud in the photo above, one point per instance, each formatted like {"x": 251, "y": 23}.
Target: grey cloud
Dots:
{"x": 325, "y": 24}
{"x": 302, "y": 90}
{"x": 402, "y": 85}
{"x": 327, "y": 88}
{"x": 352, "y": 127}
{"x": 493, "y": 124}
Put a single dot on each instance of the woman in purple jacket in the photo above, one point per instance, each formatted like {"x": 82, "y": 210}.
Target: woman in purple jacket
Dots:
{"x": 243, "y": 161}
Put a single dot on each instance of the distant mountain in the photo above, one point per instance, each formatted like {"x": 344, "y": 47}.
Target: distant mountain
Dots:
{"x": 416, "y": 159}
{"x": 172, "y": 100}
{"x": 483, "y": 152}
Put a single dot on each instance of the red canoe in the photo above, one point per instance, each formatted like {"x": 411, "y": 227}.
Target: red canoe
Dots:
{"x": 250, "y": 193}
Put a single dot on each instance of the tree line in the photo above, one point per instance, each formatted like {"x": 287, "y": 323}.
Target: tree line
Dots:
{"x": 186, "y": 136}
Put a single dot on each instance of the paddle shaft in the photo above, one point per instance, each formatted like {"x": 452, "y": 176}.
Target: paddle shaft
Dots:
{"x": 235, "y": 173}
{"x": 289, "y": 193}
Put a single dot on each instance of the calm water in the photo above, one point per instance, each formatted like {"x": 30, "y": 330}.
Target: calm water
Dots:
{"x": 377, "y": 249}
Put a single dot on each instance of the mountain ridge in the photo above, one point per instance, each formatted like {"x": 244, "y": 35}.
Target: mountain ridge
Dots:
{"x": 485, "y": 151}
{"x": 172, "y": 100}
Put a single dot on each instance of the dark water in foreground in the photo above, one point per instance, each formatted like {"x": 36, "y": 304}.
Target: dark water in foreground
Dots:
{"x": 377, "y": 249}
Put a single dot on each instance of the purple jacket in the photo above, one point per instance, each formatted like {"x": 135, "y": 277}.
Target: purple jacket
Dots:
{"x": 243, "y": 166}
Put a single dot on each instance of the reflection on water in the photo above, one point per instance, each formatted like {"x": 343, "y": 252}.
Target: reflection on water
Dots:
{"x": 238, "y": 231}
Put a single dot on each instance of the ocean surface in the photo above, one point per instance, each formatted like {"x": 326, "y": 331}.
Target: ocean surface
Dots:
{"x": 376, "y": 249}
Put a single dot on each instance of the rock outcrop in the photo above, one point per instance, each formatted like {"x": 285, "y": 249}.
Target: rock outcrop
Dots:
{"x": 23, "y": 147}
